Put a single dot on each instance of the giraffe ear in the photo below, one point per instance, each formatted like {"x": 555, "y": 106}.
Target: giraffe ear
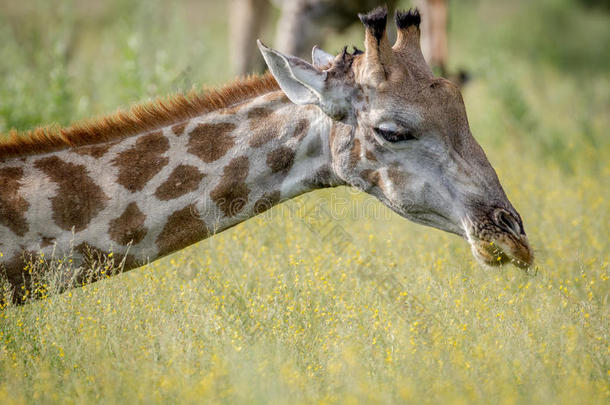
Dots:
{"x": 320, "y": 58}
{"x": 302, "y": 82}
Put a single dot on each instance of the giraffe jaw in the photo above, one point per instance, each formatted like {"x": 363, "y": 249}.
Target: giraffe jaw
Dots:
{"x": 502, "y": 248}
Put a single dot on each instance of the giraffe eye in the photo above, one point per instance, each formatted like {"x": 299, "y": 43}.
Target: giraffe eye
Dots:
{"x": 394, "y": 136}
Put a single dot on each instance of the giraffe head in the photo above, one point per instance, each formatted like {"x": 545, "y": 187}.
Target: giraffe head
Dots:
{"x": 402, "y": 135}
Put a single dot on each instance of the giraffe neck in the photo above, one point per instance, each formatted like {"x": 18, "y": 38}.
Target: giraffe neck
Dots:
{"x": 149, "y": 195}
{"x": 275, "y": 151}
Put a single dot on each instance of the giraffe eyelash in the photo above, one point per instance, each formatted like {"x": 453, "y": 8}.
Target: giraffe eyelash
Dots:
{"x": 394, "y": 136}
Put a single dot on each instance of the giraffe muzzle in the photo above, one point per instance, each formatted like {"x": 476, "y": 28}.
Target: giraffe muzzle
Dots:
{"x": 499, "y": 239}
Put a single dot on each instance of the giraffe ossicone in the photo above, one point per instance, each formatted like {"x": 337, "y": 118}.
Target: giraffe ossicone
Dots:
{"x": 149, "y": 182}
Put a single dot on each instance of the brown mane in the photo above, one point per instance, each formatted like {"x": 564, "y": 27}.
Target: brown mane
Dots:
{"x": 137, "y": 119}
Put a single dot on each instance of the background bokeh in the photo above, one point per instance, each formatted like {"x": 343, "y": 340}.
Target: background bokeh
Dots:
{"x": 309, "y": 302}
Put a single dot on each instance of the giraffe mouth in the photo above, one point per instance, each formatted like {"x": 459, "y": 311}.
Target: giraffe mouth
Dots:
{"x": 491, "y": 254}
{"x": 501, "y": 249}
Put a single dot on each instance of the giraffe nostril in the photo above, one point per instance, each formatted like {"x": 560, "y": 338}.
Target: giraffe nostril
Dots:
{"x": 506, "y": 221}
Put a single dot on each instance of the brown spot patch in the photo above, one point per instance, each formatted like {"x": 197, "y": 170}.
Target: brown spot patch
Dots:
{"x": 280, "y": 159}
{"x": 178, "y": 129}
{"x": 183, "y": 228}
{"x": 354, "y": 153}
{"x": 258, "y": 114}
{"x": 262, "y": 126}
{"x": 210, "y": 142}
{"x": 19, "y": 279}
{"x": 96, "y": 151}
{"x": 13, "y": 267}
{"x": 320, "y": 178}
{"x": 93, "y": 257}
{"x": 12, "y": 205}
{"x": 140, "y": 163}
{"x": 397, "y": 176}
{"x": 129, "y": 227}
{"x": 183, "y": 179}
{"x": 267, "y": 201}
{"x": 78, "y": 199}
{"x": 301, "y": 129}
{"x": 231, "y": 194}
{"x": 46, "y": 241}
{"x": 260, "y": 138}
{"x": 370, "y": 156}
{"x": 371, "y": 176}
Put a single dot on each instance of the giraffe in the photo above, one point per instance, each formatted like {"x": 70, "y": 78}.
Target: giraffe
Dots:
{"x": 150, "y": 181}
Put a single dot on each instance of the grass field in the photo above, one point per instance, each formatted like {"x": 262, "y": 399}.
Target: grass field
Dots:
{"x": 308, "y": 302}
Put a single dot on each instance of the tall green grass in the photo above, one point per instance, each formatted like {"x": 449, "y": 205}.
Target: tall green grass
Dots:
{"x": 305, "y": 304}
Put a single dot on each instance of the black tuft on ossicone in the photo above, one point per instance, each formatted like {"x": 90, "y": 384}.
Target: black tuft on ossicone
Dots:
{"x": 357, "y": 51}
{"x": 376, "y": 21}
{"x": 343, "y": 63}
{"x": 405, "y": 19}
